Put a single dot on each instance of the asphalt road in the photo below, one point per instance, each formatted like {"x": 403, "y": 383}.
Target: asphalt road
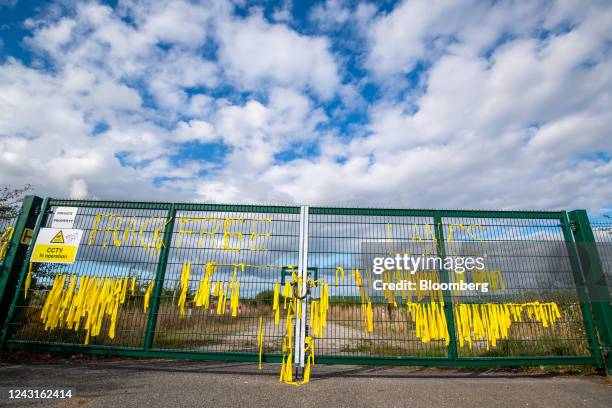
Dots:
{"x": 162, "y": 383}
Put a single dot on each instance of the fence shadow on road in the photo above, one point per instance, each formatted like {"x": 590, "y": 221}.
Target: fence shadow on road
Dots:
{"x": 320, "y": 372}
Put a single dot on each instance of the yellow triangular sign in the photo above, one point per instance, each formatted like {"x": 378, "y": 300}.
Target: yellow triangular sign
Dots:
{"x": 58, "y": 238}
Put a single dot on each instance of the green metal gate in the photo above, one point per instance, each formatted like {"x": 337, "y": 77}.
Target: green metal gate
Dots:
{"x": 149, "y": 243}
{"x": 538, "y": 252}
{"x": 202, "y": 281}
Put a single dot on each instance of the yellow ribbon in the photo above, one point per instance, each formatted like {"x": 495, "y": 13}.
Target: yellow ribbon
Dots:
{"x": 260, "y": 339}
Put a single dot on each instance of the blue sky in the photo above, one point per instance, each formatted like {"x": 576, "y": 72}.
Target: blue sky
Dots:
{"x": 473, "y": 104}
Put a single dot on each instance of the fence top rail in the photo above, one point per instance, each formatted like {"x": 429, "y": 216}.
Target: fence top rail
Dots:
{"x": 146, "y": 205}
{"x": 137, "y": 205}
{"x": 442, "y": 213}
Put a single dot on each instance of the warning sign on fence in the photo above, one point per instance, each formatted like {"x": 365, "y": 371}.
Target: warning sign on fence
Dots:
{"x": 57, "y": 245}
{"x": 63, "y": 217}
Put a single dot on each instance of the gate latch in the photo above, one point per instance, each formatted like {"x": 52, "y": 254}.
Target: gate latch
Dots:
{"x": 309, "y": 285}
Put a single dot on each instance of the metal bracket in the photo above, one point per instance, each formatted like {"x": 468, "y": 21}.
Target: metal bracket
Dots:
{"x": 574, "y": 226}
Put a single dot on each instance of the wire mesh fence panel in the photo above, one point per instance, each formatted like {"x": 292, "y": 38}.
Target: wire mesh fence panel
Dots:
{"x": 205, "y": 280}
{"x": 531, "y": 306}
{"x": 603, "y": 238}
{"x": 220, "y": 277}
{"x": 115, "y": 263}
{"x": 524, "y": 304}
{"x": 364, "y": 321}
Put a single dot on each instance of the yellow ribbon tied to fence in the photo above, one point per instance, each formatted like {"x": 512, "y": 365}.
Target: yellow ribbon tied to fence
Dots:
{"x": 286, "y": 374}
{"x": 339, "y": 271}
{"x": 276, "y": 303}
{"x": 235, "y": 297}
{"x": 234, "y": 288}
{"x": 310, "y": 350}
{"x": 286, "y": 294}
{"x": 369, "y": 316}
{"x": 185, "y": 272}
{"x": 5, "y": 240}
{"x": 28, "y": 282}
{"x": 490, "y": 322}
{"x": 366, "y": 304}
{"x": 147, "y": 295}
{"x": 318, "y": 312}
{"x": 73, "y": 298}
{"x": 202, "y": 296}
{"x": 220, "y": 292}
{"x": 430, "y": 321}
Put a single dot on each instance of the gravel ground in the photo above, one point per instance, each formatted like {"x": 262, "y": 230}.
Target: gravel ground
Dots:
{"x": 164, "y": 383}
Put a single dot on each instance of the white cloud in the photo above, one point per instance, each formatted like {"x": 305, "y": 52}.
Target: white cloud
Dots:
{"x": 333, "y": 14}
{"x": 421, "y": 30}
{"x": 46, "y": 125}
{"x": 99, "y": 42}
{"x": 520, "y": 129}
{"x": 78, "y": 189}
{"x": 194, "y": 130}
{"x": 330, "y": 13}
{"x": 257, "y": 132}
{"x": 510, "y": 110}
{"x": 283, "y": 12}
{"x": 401, "y": 37}
{"x": 256, "y": 52}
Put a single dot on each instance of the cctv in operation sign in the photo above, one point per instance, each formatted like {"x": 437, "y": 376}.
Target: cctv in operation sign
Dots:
{"x": 57, "y": 245}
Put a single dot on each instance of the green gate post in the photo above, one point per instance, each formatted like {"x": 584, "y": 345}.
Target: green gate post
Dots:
{"x": 40, "y": 221}
{"x": 160, "y": 274}
{"x": 448, "y": 299}
{"x": 581, "y": 290}
{"x": 595, "y": 280}
{"x": 13, "y": 263}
